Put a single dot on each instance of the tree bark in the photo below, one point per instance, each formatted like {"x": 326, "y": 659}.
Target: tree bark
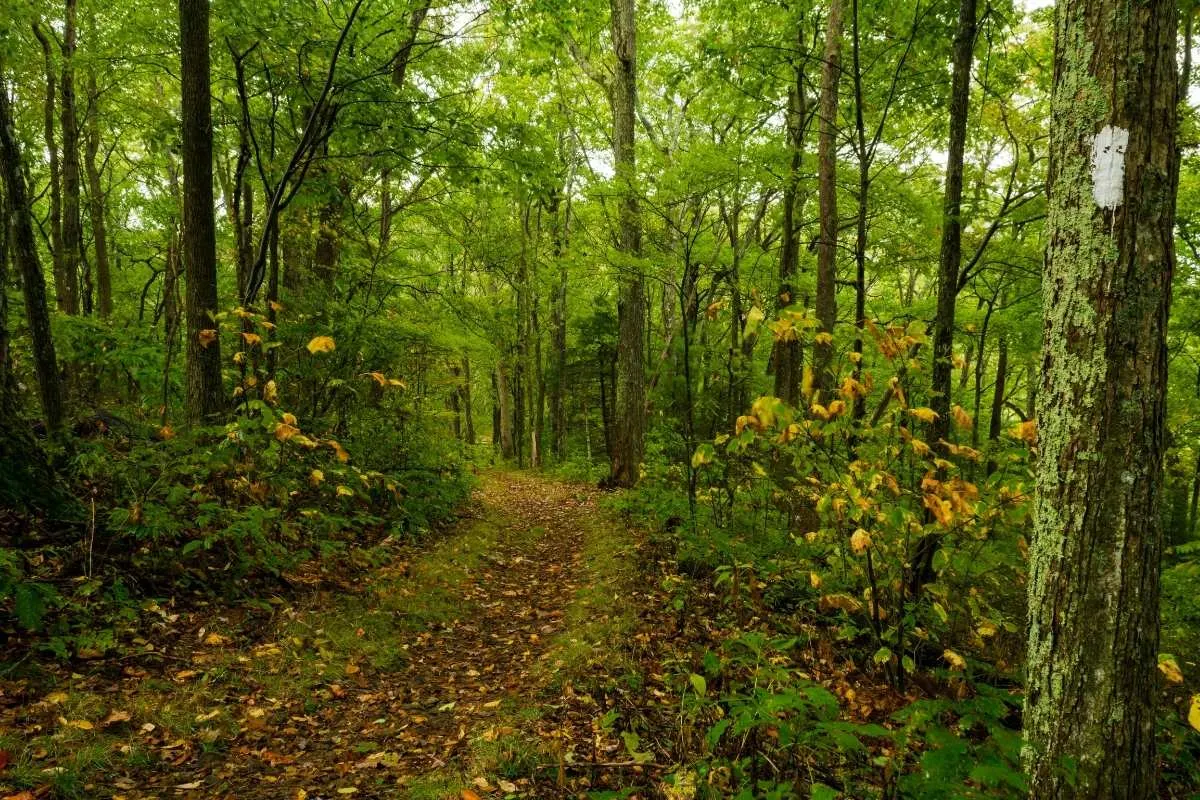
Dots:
{"x": 25, "y": 255}
{"x": 468, "y": 413}
{"x": 1097, "y": 545}
{"x": 96, "y": 202}
{"x": 65, "y": 290}
{"x": 827, "y": 194}
{"x": 631, "y": 305}
{"x": 205, "y": 397}
{"x": 72, "y": 225}
{"x": 950, "y": 255}
{"x": 787, "y": 353}
{"x": 504, "y": 412}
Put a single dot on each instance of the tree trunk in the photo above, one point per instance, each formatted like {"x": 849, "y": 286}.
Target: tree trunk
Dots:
{"x": 630, "y": 402}
{"x": 827, "y": 193}
{"x": 951, "y": 249}
{"x": 26, "y": 480}
{"x": 72, "y": 241}
{"x": 1097, "y": 545}
{"x": 786, "y": 357}
{"x": 468, "y": 413}
{"x": 860, "y": 219}
{"x": 558, "y": 330}
{"x": 65, "y": 290}
{"x": 25, "y": 255}
{"x": 504, "y": 412}
{"x": 205, "y": 397}
{"x": 7, "y": 378}
{"x": 96, "y": 198}
{"x": 998, "y": 395}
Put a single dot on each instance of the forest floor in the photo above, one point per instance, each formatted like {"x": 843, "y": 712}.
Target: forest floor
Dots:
{"x": 490, "y": 663}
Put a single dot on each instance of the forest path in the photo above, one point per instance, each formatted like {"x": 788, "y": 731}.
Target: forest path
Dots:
{"x": 443, "y": 671}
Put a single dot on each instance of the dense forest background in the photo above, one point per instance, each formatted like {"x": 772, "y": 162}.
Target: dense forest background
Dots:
{"x": 280, "y": 279}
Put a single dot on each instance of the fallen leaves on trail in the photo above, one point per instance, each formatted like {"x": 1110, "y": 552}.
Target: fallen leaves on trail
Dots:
{"x": 303, "y": 714}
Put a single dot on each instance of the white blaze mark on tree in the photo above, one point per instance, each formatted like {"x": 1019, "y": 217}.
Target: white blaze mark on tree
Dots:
{"x": 1108, "y": 166}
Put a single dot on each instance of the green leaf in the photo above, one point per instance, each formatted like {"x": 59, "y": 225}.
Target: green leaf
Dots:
{"x": 699, "y": 684}
{"x": 29, "y": 605}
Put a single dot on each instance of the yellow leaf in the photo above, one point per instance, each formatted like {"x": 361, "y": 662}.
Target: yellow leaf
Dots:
{"x": 840, "y": 602}
{"x": 216, "y": 640}
{"x": 1025, "y": 431}
{"x": 321, "y": 344}
{"x": 1170, "y": 670}
{"x": 207, "y": 337}
{"x": 745, "y": 421}
{"x": 252, "y": 339}
{"x": 961, "y": 418}
{"x": 824, "y": 337}
{"x": 806, "y": 382}
{"x": 166, "y": 432}
{"x": 860, "y": 542}
{"x": 270, "y": 392}
{"x": 342, "y": 455}
{"x": 814, "y": 580}
{"x": 56, "y": 698}
{"x": 926, "y": 415}
{"x": 1194, "y": 712}
{"x": 467, "y": 794}
{"x": 284, "y": 431}
{"x": 288, "y": 418}
{"x": 316, "y": 477}
{"x": 81, "y": 724}
{"x": 954, "y": 660}
{"x": 345, "y": 491}
{"x": 276, "y": 307}
{"x": 379, "y": 377}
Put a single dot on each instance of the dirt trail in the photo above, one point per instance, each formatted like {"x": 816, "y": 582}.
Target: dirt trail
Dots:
{"x": 388, "y": 689}
{"x": 513, "y": 606}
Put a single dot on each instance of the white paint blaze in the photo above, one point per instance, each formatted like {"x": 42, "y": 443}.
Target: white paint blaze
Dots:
{"x": 1108, "y": 166}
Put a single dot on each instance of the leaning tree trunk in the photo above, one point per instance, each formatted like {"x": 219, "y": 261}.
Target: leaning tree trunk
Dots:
{"x": 1097, "y": 544}
{"x": 951, "y": 250}
{"x": 25, "y": 256}
{"x": 827, "y": 194}
{"x": 205, "y": 397}
{"x": 630, "y": 402}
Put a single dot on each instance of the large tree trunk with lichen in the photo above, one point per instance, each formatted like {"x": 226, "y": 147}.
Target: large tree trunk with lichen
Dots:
{"x": 1097, "y": 546}
{"x": 631, "y": 302}
{"x": 205, "y": 397}
{"x": 827, "y": 196}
